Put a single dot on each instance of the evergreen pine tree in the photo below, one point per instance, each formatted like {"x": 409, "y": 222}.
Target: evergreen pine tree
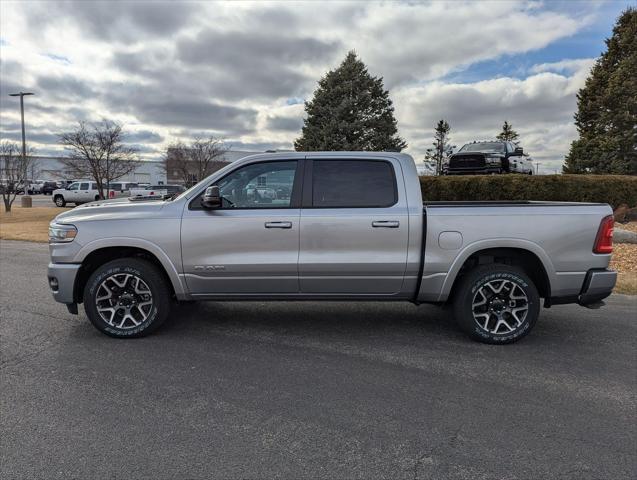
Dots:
{"x": 441, "y": 150}
{"x": 351, "y": 110}
{"x": 508, "y": 134}
{"x": 606, "y": 117}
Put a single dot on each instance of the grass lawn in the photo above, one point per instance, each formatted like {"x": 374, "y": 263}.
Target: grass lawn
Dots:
{"x": 28, "y": 224}
{"x": 32, "y": 225}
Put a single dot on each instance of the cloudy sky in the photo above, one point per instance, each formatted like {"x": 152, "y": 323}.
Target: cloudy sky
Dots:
{"x": 174, "y": 70}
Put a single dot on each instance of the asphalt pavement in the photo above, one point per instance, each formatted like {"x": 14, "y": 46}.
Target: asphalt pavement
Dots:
{"x": 310, "y": 390}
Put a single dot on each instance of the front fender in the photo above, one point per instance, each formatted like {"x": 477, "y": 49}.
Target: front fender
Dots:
{"x": 159, "y": 253}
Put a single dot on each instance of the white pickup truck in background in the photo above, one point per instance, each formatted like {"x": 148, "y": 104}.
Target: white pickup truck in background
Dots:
{"x": 156, "y": 191}
{"x": 79, "y": 192}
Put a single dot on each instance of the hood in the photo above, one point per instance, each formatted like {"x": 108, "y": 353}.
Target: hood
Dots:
{"x": 115, "y": 209}
{"x": 487, "y": 154}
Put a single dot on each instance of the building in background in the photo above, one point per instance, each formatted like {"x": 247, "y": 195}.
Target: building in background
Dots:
{"x": 52, "y": 168}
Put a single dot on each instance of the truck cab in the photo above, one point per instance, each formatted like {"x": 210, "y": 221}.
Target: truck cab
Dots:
{"x": 492, "y": 157}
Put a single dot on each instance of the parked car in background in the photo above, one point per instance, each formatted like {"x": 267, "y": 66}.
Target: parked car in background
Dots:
{"x": 49, "y": 187}
{"x": 120, "y": 189}
{"x": 35, "y": 187}
{"x": 354, "y": 228}
{"x": 489, "y": 158}
{"x": 156, "y": 190}
{"x": 82, "y": 191}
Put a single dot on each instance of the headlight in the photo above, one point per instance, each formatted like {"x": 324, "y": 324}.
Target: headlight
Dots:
{"x": 61, "y": 233}
{"x": 493, "y": 159}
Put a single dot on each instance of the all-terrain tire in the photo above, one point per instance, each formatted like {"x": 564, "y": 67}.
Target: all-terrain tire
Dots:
{"x": 496, "y": 304}
{"x": 131, "y": 284}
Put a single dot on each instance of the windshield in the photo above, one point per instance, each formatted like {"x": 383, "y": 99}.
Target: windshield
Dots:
{"x": 484, "y": 147}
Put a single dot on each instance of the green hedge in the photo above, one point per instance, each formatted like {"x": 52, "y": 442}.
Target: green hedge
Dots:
{"x": 612, "y": 189}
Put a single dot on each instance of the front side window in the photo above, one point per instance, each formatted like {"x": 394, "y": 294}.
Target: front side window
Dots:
{"x": 74, "y": 186}
{"x": 353, "y": 183}
{"x": 260, "y": 185}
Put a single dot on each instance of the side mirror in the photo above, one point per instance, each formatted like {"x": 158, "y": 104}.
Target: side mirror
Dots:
{"x": 519, "y": 151}
{"x": 211, "y": 198}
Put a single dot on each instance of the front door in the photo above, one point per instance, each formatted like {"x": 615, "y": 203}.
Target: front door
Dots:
{"x": 72, "y": 193}
{"x": 250, "y": 245}
{"x": 354, "y": 227}
{"x": 84, "y": 194}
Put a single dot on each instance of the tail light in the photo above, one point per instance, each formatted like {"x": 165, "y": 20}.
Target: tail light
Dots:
{"x": 604, "y": 239}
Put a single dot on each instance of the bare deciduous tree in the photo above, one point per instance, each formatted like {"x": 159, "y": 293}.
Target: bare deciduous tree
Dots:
{"x": 13, "y": 170}
{"x": 98, "y": 151}
{"x": 195, "y": 161}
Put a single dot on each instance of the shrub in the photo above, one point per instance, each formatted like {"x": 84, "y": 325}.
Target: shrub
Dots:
{"x": 612, "y": 189}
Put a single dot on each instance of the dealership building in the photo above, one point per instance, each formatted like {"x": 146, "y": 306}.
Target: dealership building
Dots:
{"x": 153, "y": 172}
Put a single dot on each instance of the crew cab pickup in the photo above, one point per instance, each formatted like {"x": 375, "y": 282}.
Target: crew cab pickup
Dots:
{"x": 489, "y": 158}
{"x": 329, "y": 226}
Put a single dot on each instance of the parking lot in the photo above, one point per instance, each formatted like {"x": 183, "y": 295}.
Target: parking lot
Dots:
{"x": 37, "y": 200}
{"x": 303, "y": 390}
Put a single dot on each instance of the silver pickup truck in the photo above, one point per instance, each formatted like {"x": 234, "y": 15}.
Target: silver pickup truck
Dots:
{"x": 329, "y": 226}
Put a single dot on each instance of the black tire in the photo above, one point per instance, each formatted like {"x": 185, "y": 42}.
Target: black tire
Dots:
{"x": 59, "y": 201}
{"x": 153, "y": 282}
{"x": 497, "y": 313}
{"x": 97, "y": 197}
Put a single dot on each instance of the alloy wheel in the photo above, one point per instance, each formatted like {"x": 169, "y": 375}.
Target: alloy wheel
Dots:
{"x": 124, "y": 300}
{"x": 500, "y": 306}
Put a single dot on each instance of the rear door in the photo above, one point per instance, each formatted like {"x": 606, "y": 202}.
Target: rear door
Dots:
{"x": 354, "y": 227}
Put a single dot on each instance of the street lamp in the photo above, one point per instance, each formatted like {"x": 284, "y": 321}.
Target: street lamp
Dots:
{"x": 24, "y": 143}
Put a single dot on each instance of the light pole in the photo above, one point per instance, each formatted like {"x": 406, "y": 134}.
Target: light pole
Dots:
{"x": 537, "y": 168}
{"x": 24, "y": 143}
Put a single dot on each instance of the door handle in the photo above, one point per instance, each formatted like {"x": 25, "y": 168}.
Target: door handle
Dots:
{"x": 386, "y": 224}
{"x": 278, "y": 224}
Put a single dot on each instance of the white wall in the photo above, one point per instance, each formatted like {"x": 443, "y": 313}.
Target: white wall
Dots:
{"x": 51, "y": 168}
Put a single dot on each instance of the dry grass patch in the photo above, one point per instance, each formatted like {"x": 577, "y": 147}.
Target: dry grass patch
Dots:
{"x": 630, "y": 226}
{"x": 28, "y": 224}
{"x": 624, "y": 260}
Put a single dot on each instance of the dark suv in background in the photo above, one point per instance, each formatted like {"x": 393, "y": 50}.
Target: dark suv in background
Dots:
{"x": 489, "y": 158}
{"x": 48, "y": 187}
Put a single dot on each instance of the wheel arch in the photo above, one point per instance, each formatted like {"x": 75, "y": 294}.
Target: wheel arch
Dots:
{"x": 95, "y": 254}
{"x": 526, "y": 255}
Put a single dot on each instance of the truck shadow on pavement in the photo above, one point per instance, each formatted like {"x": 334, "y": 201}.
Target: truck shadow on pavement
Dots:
{"x": 313, "y": 319}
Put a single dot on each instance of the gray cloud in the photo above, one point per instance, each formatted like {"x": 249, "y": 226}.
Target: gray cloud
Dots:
{"x": 143, "y": 136}
{"x": 121, "y": 22}
{"x": 291, "y": 124}
{"x": 64, "y": 87}
{"x": 238, "y": 47}
{"x": 252, "y": 64}
{"x": 159, "y": 106}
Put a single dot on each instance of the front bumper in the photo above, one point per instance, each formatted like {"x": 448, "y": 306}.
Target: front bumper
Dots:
{"x": 61, "y": 278}
{"x": 597, "y": 286}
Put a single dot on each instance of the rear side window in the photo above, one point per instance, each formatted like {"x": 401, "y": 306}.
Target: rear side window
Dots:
{"x": 353, "y": 183}
{"x": 84, "y": 186}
